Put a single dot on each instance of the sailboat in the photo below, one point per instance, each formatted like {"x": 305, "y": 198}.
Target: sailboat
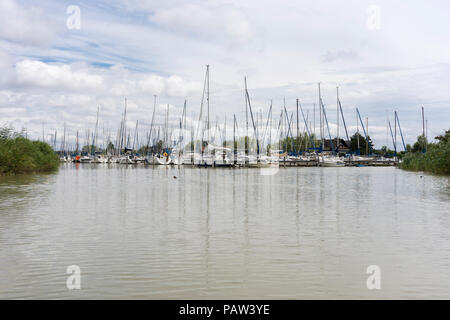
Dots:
{"x": 164, "y": 158}
{"x": 258, "y": 160}
{"x": 203, "y": 127}
{"x": 177, "y": 154}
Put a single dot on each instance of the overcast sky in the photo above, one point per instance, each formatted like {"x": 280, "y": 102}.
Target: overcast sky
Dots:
{"x": 383, "y": 55}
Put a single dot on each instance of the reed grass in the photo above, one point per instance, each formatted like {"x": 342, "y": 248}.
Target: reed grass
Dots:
{"x": 21, "y": 155}
{"x": 435, "y": 160}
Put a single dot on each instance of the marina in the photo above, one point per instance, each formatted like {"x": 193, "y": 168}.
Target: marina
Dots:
{"x": 304, "y": 161}
{"x": 258, "y": 143}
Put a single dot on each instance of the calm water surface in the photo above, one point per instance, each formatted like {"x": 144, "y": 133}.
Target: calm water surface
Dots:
{"x": 138, "y": 233}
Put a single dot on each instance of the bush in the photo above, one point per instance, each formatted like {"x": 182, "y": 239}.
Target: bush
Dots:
{"x": 435, "y": 160}
{"x": 21, "y": 155}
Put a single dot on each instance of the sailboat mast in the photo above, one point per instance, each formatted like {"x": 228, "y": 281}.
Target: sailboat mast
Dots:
{"x": 166, "y": 128}
{"x": 320, "y": 117}
{"x": 286, "y": 120}
{"x": 357, "y": 131}
{"x": 367, "y": 131}
{"x": 254, "y": 127}
{"x": 64, "y": 139}
{"x": 270, "y": 129}
{"x": 207, "y": 101}
{"x": 337, "y": 118}
{"x": 120, "y": 137}
{"x": 182, "y": 127}
{"x": 423, "y": 122}
{"x": 297, "y": 129}
{"x": 77, "y": 143}
{"x": 192, "y": 144}
{"x": 395, "y": 129}
{"x": 246, "y": 120}
{"x": 263, "y": 140}
{"x": 54, "y": 140}
{"x": 125, "y": 124}
{"x": 280, "y": 131}
{"x": 151, "y": 124}
{"x": 234, "y": 141}
{"x": 95, "y": 133}
{"x": 314, "y": 124}
{"x": 135, "y": 135}
{"x": 224, "y": 138}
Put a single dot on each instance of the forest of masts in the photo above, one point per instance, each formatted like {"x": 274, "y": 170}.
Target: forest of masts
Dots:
{"x": 293, "y": 132}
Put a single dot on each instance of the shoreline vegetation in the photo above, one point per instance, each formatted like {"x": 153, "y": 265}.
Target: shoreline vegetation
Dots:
{"x": 429, "y": 157}
{"x": 18, "y": 154}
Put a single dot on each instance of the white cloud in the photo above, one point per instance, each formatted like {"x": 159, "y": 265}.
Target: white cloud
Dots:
{"x": 6, "y": 63}
{"x": 212, "y": 22}
{"x": 55, "y": 94}
{"x": 332, "y": 56}
{"x": 176, "y": 86}
{"x": 5, "y": 60}
{"x": 24, "y": 24}
{"x": 152, "y": 84}
{"x": 63, "y": 77}
{"x": 115, "y": 81}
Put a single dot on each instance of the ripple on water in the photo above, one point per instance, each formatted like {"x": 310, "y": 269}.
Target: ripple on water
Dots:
{"x": 137, "y": 233}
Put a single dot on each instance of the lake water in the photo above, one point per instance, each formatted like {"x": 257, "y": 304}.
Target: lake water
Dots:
{"x": 139, "y": 233}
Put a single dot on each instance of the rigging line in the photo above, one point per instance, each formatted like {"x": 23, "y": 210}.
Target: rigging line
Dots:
{"x": 152, "y": 123}
{"x": 343, "y": 120}
{"x": 253, "y": 122}
{"x": 328, "y": 127}
{"x": 201, "y": 108}
{"x": 267, "y": 123}
{"x": 393, "y": 142}
{"x": 400, "y": 129}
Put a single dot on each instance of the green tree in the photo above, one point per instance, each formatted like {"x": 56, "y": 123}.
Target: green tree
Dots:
{"x": 384, "y": 151}
{"x": 420, "y": 144}
{"x": 90, "y": 149}
{"x": 444, "y": 138}
{"x": 362, "y": 143}
{"x": 300, "y": 144}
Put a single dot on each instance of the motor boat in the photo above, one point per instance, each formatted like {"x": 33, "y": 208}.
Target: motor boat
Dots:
{"x": 330, "y": 161}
